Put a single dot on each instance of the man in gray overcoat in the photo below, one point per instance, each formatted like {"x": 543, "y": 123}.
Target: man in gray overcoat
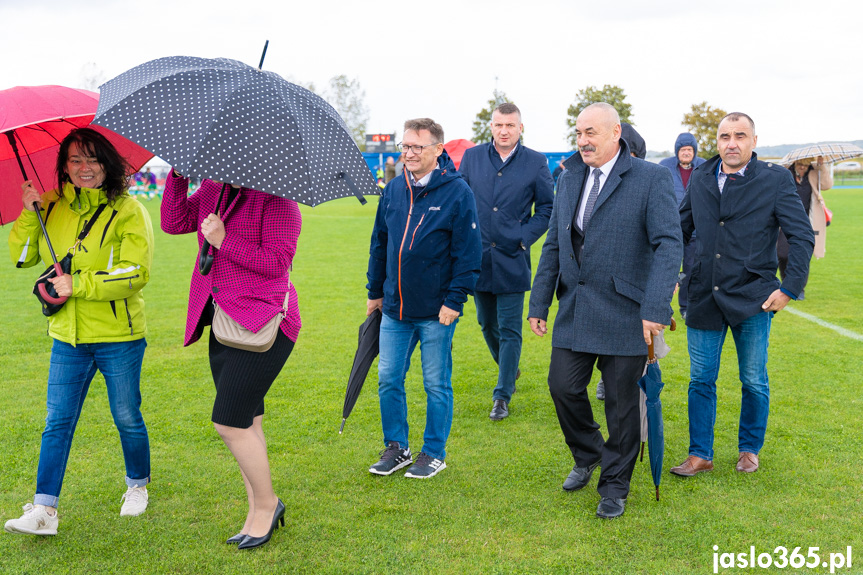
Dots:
{"x": 611, "y": 256}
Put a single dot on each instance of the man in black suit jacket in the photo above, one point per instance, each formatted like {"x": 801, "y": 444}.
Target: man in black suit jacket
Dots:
{"x": 735, "y": 205}
{"x": 612, "y": 255}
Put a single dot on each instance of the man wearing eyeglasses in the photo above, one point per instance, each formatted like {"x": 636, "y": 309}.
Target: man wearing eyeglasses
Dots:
{"x": 424, "y": 261}
{"x": 514, "y": 195}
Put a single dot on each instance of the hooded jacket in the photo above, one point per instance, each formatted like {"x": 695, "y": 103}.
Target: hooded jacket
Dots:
{"x": 109, "y": 270}
{"x": 684, "y": 139}
{"x": 425, "y": 248}
{"x": 634, "y": 140}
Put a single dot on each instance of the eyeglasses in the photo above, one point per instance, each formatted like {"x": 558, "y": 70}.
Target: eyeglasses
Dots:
{"x": 415, "y": 149}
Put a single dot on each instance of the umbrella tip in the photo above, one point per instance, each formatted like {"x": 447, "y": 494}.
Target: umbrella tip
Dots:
{"x": 342, "y": 428}
{"x": 657, "y": 492}
{"x": 263, "y": 55}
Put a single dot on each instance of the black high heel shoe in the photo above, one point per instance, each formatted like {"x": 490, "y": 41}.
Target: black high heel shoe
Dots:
{"x": 236, "y": 539}
{"x": 278, "y": 517}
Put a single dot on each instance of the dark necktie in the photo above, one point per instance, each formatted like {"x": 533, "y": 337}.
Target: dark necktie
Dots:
{"x": 591, "y": 199}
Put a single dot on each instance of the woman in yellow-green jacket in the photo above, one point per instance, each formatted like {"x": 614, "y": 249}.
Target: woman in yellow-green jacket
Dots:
{"x": 101, "y": 326}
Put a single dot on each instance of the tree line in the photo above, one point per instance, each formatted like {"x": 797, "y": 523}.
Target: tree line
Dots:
{"x": 347, "y": 96}
{"x": 702, "y": 120}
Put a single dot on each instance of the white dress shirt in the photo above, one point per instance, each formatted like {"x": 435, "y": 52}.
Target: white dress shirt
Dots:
{"x": 605, "y": 169}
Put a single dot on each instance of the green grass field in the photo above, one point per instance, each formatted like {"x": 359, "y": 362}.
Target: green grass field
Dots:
{"x": 497, "y": 508}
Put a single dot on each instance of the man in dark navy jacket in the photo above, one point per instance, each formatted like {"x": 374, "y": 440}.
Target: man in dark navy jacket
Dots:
{"x": 514, "y": 196}
{"x": 737, "y": 204}
{"x": 424, "y": 261}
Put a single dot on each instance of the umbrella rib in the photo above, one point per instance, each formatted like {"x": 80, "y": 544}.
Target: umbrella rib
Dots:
{"x": 39, "y": 128}
{"x": 30, "y": 159}
{"x": 57, "y": 119}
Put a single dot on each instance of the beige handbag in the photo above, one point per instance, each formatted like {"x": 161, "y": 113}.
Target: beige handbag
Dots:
{"x": 228, "y": 332}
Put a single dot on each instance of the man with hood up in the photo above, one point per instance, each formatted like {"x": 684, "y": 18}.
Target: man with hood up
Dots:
{"x": 424, "y": 261}
{"x": 685, "y": 160}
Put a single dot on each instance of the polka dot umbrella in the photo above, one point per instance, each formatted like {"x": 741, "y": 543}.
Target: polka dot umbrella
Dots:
{"x": 227, "y": 121}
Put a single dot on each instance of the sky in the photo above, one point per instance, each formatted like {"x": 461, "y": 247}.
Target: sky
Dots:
{"x": 793, "y": 66}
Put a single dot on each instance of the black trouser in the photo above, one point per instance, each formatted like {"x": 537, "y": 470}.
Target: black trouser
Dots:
{"x": 782, "y": 249}
{"x": 688, "y": 262}
{"x": 568, "y": 375}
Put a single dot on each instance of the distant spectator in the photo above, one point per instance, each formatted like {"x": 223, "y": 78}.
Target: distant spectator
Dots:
{"x": 637, "y": 147}
{"x": 389, "y": 170}
{"x": 806, "y": 176}
{"x": 681, "y": 165}
{"x": 558, "y": 171}
{"x": 400, "y": 164}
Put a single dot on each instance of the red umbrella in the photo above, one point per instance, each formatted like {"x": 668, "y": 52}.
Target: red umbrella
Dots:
{"x": 33, "y": 122}
{"x": 456, "y": 149}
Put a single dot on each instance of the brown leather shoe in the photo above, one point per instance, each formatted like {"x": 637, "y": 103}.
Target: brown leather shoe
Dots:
{"x": 692, "y": 466}
{"x": 747, "y": 463}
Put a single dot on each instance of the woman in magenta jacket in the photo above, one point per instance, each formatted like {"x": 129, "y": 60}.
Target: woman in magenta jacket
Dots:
{"x": 254, "y": 239}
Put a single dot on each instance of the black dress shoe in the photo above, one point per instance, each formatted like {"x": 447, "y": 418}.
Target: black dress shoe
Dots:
{"x": 611, "y": 507}
{"x": 236, "y": 539}
{"x": 499, "y": 410}
{"x": 252, "y": 542}
{"x": 579, "y": 477}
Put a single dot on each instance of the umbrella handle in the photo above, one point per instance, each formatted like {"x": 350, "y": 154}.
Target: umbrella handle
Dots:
{"x": 10, "y": 135}
{"x": 205, "y": 262}
{"x": 44, "y": 292}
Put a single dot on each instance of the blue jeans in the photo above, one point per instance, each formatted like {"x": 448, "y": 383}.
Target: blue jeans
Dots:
{"x": 397, "y": 342}
{"x": 72, "y": 370}
{"x": 705, "y": 349}
{"x": 500, "y": 318}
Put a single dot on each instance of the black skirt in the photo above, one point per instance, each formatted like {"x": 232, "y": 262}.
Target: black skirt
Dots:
{"x": 243, "y": 378}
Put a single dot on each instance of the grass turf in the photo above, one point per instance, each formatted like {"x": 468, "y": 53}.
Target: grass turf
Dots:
{"x": 497, "y": 508}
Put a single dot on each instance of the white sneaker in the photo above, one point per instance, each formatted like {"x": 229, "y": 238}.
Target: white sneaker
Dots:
{"x": 35, "y": 521}
{"x": 135, "y": 503}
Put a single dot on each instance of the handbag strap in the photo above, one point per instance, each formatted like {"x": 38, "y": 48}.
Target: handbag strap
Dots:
{"x": 287, "y": 296}
{"x": 87, "y": 227}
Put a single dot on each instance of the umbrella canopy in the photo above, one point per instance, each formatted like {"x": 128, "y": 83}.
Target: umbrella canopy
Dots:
{"x": 830, "y": 153}
{"x": 367, "y": 351}
{"x": 224, "y": 120}
{"x": 456, "y": 149}
{"x": 36, "y": 119}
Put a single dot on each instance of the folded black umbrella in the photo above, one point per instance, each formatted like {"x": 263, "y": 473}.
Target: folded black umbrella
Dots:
{"x": 367, "y": 351}
{"x": 227, "y": 121}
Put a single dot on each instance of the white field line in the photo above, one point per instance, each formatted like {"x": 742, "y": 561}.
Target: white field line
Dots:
{"x": 821, "y": 322}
